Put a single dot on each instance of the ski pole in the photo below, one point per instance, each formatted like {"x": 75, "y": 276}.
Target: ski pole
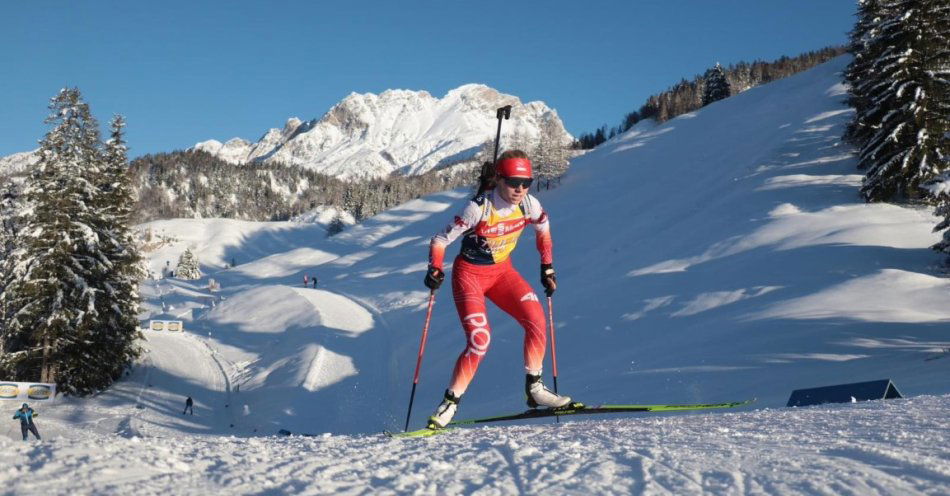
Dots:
{"x": 553, "y": 351}
{"x": 422, "y": 349}
{"x": 503, "y": 112}
{"x": 553, "y": 344}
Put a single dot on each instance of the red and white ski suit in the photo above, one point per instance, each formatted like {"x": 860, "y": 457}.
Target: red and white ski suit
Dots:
{"x": 490, "y": 227}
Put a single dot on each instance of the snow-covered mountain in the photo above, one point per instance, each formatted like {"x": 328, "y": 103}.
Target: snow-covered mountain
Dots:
{"x": 18, "y": 163}
{"x": 410, "y": 132}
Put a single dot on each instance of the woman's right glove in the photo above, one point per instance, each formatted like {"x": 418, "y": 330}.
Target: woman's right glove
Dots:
{"x": 434, "y": 278}
{"x": 548, "y": 279}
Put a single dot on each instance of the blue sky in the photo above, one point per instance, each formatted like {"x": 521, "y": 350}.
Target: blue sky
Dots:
{"x": 186, "y": 71}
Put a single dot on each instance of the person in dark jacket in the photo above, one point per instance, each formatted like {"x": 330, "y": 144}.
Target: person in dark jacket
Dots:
{"x": 25, "y": 414}
{"x": 189, "y": 405}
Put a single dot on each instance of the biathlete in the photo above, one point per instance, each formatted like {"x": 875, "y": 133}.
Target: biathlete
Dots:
{"x": 489, "y": 226}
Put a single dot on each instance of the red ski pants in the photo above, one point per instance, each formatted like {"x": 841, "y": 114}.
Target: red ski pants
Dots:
{"x": 502, "y": 284}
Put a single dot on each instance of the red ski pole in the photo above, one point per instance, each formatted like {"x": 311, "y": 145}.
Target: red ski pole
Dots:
{"x": 422, "y": 349}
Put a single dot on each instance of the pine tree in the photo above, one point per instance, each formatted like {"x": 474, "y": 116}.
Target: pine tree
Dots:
{"x": 907, "y": 97}
{"x": 939, "y": 188}
{"x": 11, "y": 209}
{"x": 118, "y": 303}
{"x": 188, "y": 266}
{"x": 336, "y": 225}
{"x": 716, "y": 87}
{"x": 865, "y": 46}
{"x": 53, "y": 298}
{"x": 551, "y": 156}
{"x": 540, "y": 158}
{"x": 517, "y": 140}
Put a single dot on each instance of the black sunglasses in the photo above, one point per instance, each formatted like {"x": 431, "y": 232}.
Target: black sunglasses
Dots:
{"x": 515, "y": 182}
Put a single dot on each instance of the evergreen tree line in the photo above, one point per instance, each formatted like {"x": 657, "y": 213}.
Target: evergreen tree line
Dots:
{"x": 687, "y": 96}
{"x": 196, "y": 184}
{"x": 70, "y": 267}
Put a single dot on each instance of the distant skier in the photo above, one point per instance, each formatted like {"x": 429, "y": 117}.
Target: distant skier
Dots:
{"x": 26, "y": 414}
{"x": 490, "y": 225}
{"x": 189, "y": 405}
{"x": 314, "y": 282}
{"x": 305, "y": 283}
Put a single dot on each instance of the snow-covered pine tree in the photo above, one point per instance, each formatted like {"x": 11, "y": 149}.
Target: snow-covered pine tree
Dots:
{"x": 517, "y": 140}
{"x": 908, "y": 100}
{"x": 550, "y": 157}
{"x": 865, "y": 46}
{"x": 540, "y": 159}
{"x": 740, "y": 77}
{"x": 939, "y": 188}
{"x": 188, "y": 267}
{"x": 118, "y": 302}
{"x": 11, "y": 213}
{"x": 336, "y": 225}
{"x": 715, "y": 86}
{"x": 11, "y": 210}
{"x": 558, "y": 160}
{"x": 58, "y": 258}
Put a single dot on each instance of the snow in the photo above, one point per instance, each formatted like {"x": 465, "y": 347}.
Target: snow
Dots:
{"x": 884, "y": 447}
{"x": 397, "y": 131}
{"x": 18, "y": 163}
{"x": 716, "y": 257}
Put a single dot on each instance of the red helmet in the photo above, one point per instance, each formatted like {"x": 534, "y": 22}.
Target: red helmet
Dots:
{"x": 513, "y": 167}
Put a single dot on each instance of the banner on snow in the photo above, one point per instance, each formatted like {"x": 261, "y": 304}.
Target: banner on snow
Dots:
{"x": 23, "y": 391}
{"x": 166, "y": 325}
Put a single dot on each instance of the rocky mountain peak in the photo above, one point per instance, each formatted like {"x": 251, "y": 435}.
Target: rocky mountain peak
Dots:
{"x": 404, "y": 131}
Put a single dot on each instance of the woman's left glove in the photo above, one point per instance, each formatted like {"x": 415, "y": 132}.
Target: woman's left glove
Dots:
{"x": 434, "y": 278}
{"x": 548, "y": 279}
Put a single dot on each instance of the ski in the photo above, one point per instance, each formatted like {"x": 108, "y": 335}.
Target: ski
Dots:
{"x": 582, "y": 409}
{"x": 572, "y": 409}
{"x": 418, "y": 433}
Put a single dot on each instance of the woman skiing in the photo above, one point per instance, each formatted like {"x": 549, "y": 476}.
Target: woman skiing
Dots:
{"x": 490, "y": 225}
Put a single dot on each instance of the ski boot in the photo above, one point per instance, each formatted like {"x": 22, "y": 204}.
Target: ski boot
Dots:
{"x": 445, "y": 411}
{"x": 540, "y": 396}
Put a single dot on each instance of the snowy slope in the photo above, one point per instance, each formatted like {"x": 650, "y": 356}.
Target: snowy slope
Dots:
{"x": 369, "y": 135}
{"x": 720, "y": 256}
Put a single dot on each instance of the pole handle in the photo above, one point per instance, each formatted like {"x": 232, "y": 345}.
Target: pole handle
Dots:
{"x": 501, "y": 113}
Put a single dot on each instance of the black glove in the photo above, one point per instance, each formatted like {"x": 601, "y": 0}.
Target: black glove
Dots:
{"x": 434, "y": 278}
{"x": 548, "y": 280}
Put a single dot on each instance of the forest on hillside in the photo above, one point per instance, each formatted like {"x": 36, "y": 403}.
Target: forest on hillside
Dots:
{"x": 194, "y": 183}
{"x": 687, "y": 96}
